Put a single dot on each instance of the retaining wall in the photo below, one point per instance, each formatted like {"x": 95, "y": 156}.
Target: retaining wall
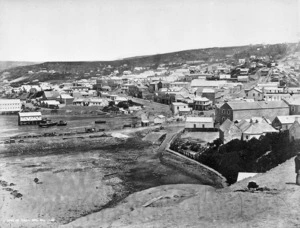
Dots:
{"x": 193, "y": 168}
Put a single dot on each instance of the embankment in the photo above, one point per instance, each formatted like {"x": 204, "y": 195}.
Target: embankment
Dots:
{"x": 191, "y": 167}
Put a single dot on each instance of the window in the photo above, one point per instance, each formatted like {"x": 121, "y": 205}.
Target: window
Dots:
{"x": 194, "y": 125}
{"x": 253, "y": 94}
{"x": 228, "y": 112}
{"x": 223, "y": 111}
{"x": 203, "y": 125}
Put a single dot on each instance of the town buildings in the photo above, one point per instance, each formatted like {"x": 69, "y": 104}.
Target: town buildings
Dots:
{"x": 10, "y": 106}
{"x": 244, "y": 130}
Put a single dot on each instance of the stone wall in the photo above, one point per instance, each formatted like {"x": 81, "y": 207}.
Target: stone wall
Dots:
{"x": 203, "y": 173}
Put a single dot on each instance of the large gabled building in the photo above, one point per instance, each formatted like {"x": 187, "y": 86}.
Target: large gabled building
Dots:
{"x": 243, "y": 110}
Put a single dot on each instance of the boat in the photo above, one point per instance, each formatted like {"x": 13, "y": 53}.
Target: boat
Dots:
{"x": 100, "y": 122}
{"x": 47, "y": 123}
{"x": 62, "y": 123}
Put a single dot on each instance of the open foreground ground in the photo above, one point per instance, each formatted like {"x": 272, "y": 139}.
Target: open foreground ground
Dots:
{"x": 203, "y": 206}
{"x": 92, "y": 174}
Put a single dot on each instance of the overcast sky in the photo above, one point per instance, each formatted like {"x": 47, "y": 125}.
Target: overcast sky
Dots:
{"x": 65, "y": 30}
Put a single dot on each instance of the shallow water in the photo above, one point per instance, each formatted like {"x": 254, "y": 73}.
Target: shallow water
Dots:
{"x": 9, "y": 124}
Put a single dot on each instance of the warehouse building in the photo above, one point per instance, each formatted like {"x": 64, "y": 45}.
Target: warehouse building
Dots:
{"x": 29, "y": 118}
{"x": 10, "y": 106}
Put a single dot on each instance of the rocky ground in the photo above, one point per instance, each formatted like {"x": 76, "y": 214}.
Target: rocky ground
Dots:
{"x": 277, "y": 205}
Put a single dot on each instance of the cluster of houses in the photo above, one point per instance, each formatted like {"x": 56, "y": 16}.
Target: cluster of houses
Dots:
{"x": 245, "y": 120}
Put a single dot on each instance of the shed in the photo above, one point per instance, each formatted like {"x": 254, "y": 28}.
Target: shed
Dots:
{"x": 159, "y": 119}
{"x": 145, "y": 123}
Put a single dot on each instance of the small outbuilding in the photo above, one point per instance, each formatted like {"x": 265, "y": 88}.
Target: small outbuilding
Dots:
{"x": 145, "y": 123}
{"x": 199, "y": 123}
{"x": 159, "y": 119}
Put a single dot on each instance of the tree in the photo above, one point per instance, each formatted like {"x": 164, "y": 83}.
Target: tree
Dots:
{"x": 123, "y": 105}
{"x": 111, "y": 103}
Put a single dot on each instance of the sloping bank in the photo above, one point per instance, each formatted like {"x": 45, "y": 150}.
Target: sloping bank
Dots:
{"x": 203, "y": 173}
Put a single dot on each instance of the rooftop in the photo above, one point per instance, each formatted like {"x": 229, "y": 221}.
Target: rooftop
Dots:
{"x": 9, "y": 101}
{"x": 24, "y": 114}
{"x": 243, "y": 105}
{"x": 203, "y": 83}
{"x": 208, "y": 90}
{"x": 259, "y": 128}
{"x": 226, "y": 125}
{"x": 199, "y": 119}
{"x": 201, "y": 99}
{"x": 287, "y": 119}
{"x": 179, "y": 104}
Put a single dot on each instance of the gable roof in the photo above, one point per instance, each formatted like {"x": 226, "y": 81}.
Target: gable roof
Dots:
{"x": 243, "y": 125}
{"x": 66, "y": 96}
{"x": 254, "y": 88}
{"x": 51, "y": 94}
{"x": 242, "y": 105}
{"x": 259, "y": 128}
{"x": 226, "y": 125}
{"x": 293, "y": 100}
{"x": 287, "y": 119}
{"x": 257, "y": 105}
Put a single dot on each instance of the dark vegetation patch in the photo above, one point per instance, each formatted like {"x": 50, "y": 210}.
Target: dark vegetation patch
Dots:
{"x": 255, "y": 155}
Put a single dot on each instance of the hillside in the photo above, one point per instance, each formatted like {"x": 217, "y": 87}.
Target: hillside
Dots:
{"x": 204, "y": 206}
{"x": 4, "y": 65}
{"x": 78, "y": 70}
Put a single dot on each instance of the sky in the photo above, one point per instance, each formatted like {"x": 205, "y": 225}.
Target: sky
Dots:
{"x": 94, "y": 30}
